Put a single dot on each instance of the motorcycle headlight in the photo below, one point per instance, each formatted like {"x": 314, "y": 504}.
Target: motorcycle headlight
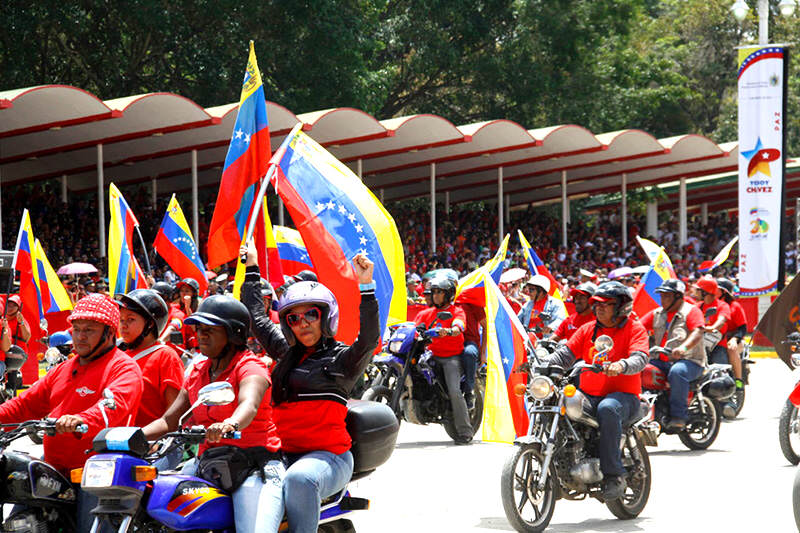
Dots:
{"x": 395, "y": 346}
{"x": 541, "y": 352}
{"x": 98, "y": 474}
{"x": 52, "y": 355}
{"x": 541, "y": 387}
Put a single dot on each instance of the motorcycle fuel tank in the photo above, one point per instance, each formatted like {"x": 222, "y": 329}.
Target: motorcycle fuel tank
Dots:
{"x": 187, "y": 502}
{"x": 29, "y": 480}
{"x": 653, "y": 378}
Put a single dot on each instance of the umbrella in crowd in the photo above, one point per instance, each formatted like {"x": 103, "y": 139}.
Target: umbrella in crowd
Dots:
{"x": 76, "y": 268}
{"x": 620, "y": 272}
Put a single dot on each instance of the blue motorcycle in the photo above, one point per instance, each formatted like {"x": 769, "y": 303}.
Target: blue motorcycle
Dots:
{"x": 134, "y": 496}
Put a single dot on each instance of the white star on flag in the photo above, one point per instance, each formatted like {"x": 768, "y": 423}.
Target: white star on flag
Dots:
{"x": 342, "y": 209}
{"x": 331, "y": 205}
{"x": 359, "y": 228}
{"x": 363, "y": 241}
{"x": 247, "y": 138}
{"x": 320, "y": 206}
{"x": 352, "y": 217}
{"x": 505, "y": 360}
{"x": 239, "y": 134}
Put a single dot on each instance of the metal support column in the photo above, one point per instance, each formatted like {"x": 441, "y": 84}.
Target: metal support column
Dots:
{"x": 359, "y": 169}
{"x": 652, "y": 219}
{"x": 499, "y": 204}
{"x": 381, "y": 193}
{"x": 433, "y": 208}
{"x": 64, "y": 193}
{"x": 623, "y": 221}
{"x": 704, "y": 213}
{"x": 195, "y": 209}
{"x": 564, "y": 208}
{"x": 101, "y": 203}
{"x": 682, "y": 235}
{"x": 153, "y": 192}
{"x": 507, "y": 210}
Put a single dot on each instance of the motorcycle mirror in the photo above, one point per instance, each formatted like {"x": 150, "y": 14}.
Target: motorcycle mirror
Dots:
{"x": 217, "y": 393}
{"x": 603, "y": 343}
{"x": 444, "y": 315}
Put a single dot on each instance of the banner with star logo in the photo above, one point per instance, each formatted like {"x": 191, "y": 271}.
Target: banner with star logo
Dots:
{"x": 338, "y": 217}
{"x": 761, "y": 167}
{"x": 175, "y": 244}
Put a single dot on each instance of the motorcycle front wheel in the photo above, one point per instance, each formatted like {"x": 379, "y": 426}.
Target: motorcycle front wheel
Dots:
{"x": 528, "y": 509}
{"x": 703, "y": 427}
{"x": 637, "y": 463}
{"x": 788, "y": 434}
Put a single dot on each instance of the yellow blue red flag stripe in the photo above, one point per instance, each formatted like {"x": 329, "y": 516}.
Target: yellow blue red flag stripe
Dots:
{"x": 124, "y": 272}
{"x": 174, "y": 242}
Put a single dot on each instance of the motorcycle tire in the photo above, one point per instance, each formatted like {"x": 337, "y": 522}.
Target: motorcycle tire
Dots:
{"x": 638, "y": 478}
{"x": 379, "y": 394}
{"x": 787, "y": 433}
{"x": 518, "y": 482}
{"x": 701, "y": 430}
{"x": 338, "y": 526}
{"x": 475, "y": 415}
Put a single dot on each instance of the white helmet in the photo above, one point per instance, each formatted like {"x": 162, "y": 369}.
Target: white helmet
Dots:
{"x": 538, "y": 280}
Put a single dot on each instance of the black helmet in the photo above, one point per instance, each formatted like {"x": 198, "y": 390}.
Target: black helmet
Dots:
{"x": 306, "y": 275}
{"x": 266, "y": 289}
{"x": 444, "y": 284}
{"x": 672, "y": 285}
{"x": 164, "y": 289}
{"x": 586, "y": 288}
{"x": 726, "y": 285}
{"x": 191, "y": 282}
{"x": 149, "y": 304}
{"x": 219, "y": 310}
{"x": 614, "y": 290}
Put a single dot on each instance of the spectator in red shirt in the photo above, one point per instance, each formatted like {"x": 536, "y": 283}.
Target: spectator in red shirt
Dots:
{"x": 677, "y": 321}
{"x": 447, "y": 349}
{"x": 20, "y": 335}
{"x": 717, "y": 315}
{"x": 583, "y": 312}
{"x": 222, "y": 327}
{"x": 71, "y": 391}
{"x": 189, "y": 296}
{"x": 613, "y": 394}
{"x": 736, "y": 329}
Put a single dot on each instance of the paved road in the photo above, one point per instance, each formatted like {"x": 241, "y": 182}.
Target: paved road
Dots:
{"x": 742, "y": 483}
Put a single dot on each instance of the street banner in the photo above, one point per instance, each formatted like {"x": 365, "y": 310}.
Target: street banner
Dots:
{"x": 781, "y": 319}
{"x": 761, "y": 167}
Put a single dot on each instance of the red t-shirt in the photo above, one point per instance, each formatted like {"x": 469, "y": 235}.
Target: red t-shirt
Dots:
{"x": 312, "y": 425}
{"x": 693, "y": 321}
{"x": 261, "y": 431}
{"x": 535, "y": 319}
{"x": 568, "y": 327}
{"x": 75, "y": 389}
{"x": 161, "y": 369}
{"x": 474, "y": 314}
{"x": 30, "y": 369}
{"x": 175, "y": 313}
{"x": 630, "y": 337}
{"x": 712, "y": 312}
{"x": 738, "y": 318}
{"x": 444, "y": 346}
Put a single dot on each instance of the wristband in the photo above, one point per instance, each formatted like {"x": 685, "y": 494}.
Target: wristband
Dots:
{"x": 366, "y": 286}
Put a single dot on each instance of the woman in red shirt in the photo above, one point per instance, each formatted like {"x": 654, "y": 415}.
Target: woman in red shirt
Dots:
{"x": 222, "y": 325}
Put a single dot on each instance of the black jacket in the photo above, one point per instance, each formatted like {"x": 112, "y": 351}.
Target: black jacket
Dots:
{"x": 331, "y": 371}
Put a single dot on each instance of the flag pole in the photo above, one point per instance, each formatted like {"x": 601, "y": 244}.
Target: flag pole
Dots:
{"x": 251, "y": 224}
{"x": 144, "y": 249}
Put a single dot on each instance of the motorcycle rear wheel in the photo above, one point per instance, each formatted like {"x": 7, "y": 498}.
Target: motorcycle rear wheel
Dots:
{"x": 701, "y": 430}
{"x": 637, "y": 462}
{"x": 339, "y": 526}
{"x": 378, "y": 394}
{"x": 518, "y": 490}
{"x": 796, "y": 498}
{"x": 788, "y": 434}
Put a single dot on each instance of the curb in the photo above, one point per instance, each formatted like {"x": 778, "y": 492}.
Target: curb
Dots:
{"x": 763, "y": 355}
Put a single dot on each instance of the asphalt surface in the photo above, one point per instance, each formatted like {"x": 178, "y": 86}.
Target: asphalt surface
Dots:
{"x": 741, "y": 483}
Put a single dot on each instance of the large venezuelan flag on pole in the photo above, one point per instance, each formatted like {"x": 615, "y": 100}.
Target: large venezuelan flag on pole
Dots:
{"x": 25, "y": 263}
{"x": 470, "y": 287}
{"x": 646, "y": 298}
{"x": 504, "y": 413}
{"x": 537, "y": 266}
{"x": 292, "y": 251}
{"x": 124, "y": 272}
{"x": 174, "y": 242}
{"x": 246, "y": 163}
{"x": 54, "y": 296}
{"x": 338, "y": 217}
{"x": 269, "y": 263}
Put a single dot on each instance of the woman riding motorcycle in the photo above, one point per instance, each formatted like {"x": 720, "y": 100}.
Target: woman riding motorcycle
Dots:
{"x": 312, "y": 379}
{"x": 250, "y": 468}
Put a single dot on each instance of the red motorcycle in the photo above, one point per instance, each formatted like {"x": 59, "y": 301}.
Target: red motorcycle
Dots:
{"x": 789, "y": 423}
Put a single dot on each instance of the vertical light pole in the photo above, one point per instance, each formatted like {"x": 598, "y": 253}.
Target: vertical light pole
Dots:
{"x": 740, "y": 9}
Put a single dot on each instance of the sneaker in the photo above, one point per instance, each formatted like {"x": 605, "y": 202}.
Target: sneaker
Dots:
{"x": 728, "y": 411}
{"x": 676, "y": 424}
{"x": 613, "y": 488}
{"x": 469, "y": 397}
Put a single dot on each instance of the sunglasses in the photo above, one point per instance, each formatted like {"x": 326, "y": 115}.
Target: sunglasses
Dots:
{"x": 310, "y": 316}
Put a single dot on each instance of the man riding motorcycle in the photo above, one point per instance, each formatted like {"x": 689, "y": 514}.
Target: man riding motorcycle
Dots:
{"x": 736, "y": 329}
{"x": 614, "y": 393}
{"x": 537, "y": 288}
{"x": 688, "y": 359}
{"x": 71, "y": 391}
{"x": 447, "y": 349}
{"x": 717, "y": 315}
{"x": 583, "y": 311}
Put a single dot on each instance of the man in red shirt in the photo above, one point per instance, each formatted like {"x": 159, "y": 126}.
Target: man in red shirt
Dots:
{"x": 614, "y": 393}
{"x": 677, "y": 321}
{"x": 447, "y": 349}
{"x": 583, "y": 312}
{"x": 736, "y": 329}
{"x": 71, "y": 391}
{"x": 717, "y": 315}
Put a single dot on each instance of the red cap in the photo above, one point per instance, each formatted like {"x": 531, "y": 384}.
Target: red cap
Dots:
{"x": 707, "y": 284}
{"x": 16, "y": 299}
{"x": 97, "y": 308}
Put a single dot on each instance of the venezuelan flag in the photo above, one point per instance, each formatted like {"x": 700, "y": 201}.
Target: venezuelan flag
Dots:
{"x": 25, "y": 263}
{"x": 721, "y": 257}
{"x": 536, "y": 266}
{"x": 124, "y": 272}
{"x": 292, "y": 251}
{"x": 646, "y": 298}
{"x": 174, "y": 242}
{"x": 338, "y": 217}
{"x": 504, "y": 413}
{"x": 269, "y": 262}
{"x": 470, "y": 287}
{"x": 246, "y": 163}
{"x": 54, "y": 296}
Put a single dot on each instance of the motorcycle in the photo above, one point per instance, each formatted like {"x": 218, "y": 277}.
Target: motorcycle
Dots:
{"x": 11, "y": 381}
{"x": 45, "y": 498}
{"x": 134, "y": 496}
{"x": 789, "y": 422}
{"x": 413, "y": 385}
{"x": 557, "y": 458}
{"x": 59, "y": 347}
{"x": 706, "y": 393}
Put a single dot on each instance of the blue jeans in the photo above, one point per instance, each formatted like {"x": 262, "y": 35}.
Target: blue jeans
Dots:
{"x": 310, "y": 478}
{"x": 679, "y": 374}
{"x": 255, "y": 498}
{"x": 469, "y": 360}
{"x": 612, "y": 411}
